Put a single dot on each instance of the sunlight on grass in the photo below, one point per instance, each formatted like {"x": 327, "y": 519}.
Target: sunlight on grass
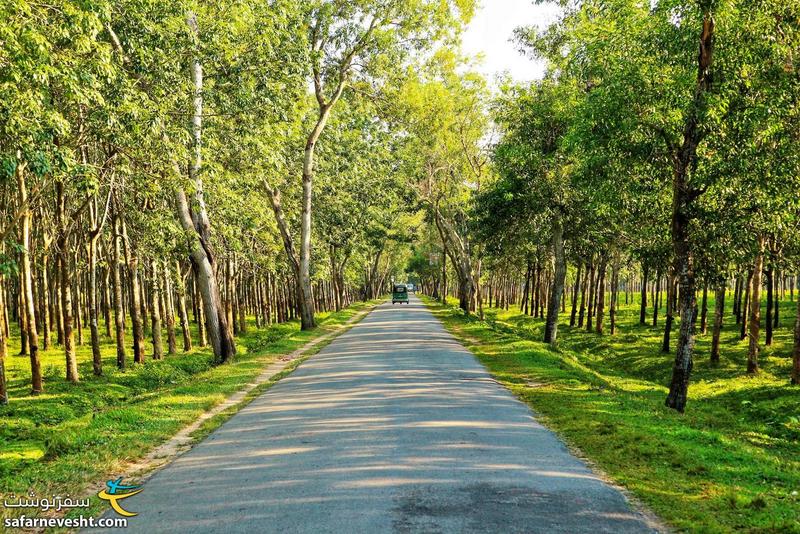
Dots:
{"x": 22, "y": 452}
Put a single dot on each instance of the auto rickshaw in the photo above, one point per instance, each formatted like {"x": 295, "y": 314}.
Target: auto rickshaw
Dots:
{"x": 399, "y": 294}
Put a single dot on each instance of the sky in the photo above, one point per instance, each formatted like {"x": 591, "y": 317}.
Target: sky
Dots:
{"x": 490, "y": 33}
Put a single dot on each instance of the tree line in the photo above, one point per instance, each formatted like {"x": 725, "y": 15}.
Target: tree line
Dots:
{"x": 277, "y": 159}
{"x": 658, "y": 152}
{"x": 162, "y": 164}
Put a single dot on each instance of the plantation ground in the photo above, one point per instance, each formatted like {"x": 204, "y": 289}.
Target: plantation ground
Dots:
{"x": 71, "y": 435}
{"x": 732, "y": 462}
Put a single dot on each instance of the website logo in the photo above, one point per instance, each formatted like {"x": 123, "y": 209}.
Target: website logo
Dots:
{"x": 117, "y": 492}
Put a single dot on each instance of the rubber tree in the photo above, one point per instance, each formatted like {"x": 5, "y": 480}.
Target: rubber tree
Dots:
{"x": 684, "y": 196}
{"x": 533, "y": 163}
{"x": 445, "y": 119}
{"x": 97, "y": 221}
{"x": 197, "y": 226}
{"x": 27, "y": 278}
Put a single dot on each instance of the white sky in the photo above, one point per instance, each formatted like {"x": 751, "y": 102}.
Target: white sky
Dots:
{"x": 491, "y": 31}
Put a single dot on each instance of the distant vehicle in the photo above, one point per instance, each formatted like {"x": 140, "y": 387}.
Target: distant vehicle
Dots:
{"x": 399, "y": 294}
{"x": 410, "y": 287}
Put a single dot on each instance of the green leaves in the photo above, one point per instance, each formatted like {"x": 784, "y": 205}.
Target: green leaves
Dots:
{"x": 627, "y": 71}
{"x": 8, "y": 165}
{"x": 38, "y": 162}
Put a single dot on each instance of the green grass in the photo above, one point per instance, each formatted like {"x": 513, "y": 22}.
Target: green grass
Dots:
{"x": 731, "y": 463}
{"x": 72, "y": 435}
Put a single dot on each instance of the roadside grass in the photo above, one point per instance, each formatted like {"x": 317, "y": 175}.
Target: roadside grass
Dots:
{"x": 731, "y": 463}
{"x": 69, "y": 436}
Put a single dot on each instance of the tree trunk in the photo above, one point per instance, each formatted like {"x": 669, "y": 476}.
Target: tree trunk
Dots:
{"x": 137, "y": 302}
{"x": 136, "y": 298}
{"x": 268, "y": 302}
{"x": 657, "y": 297}
{"x": 65, "y": 286}
{"x": 795, "y": 352}
{"x": 22, "y": 320}
{"x": 669, "y": 317}
{"x": 169, "y": 310}
{"x": 444, "y": 272}
{"x": 746, "y": 305}
{"x": 155, "y": 312}
{"x": 27, "y": 282}
{"x": 465, "y": 293}
{"x": 337, "y": 288}
{"x": 59, "y": 317}
{"x": 591, "y": 299}
{"x": 230, "y": 296}
{"x": 180, "y": 284}
{"x": 119, "y": 317}
{"x": 303, "y": 274}
{"x": 199, "y": 227}
{"x": 612, "y": 312}
{"x": 457, "y": 248}
{"x": 704, "y": 311}
{"x": 557, "y": 287}
{"x": 4, "y": 315}
{"x": 523, "y": 305}
{"x": 575, "y": 291}
{"x": 777, "y": 299}
{"x": 719, "y": 311}
{"x": 214, "y": 324}
{"x": 683, "y": 199}
{"x": 97, "y": 222}
{"x": 107, "y": 295}
{"x": 755, "y": 309}
{"x": 4, "y": 347}
{"x": 45, "y": 290}
{"x": 373, "y": 274}
{"x": 643, "y": 304}
{"x": 601, "y": 297}
{"x": 76, "y": 300}
{"x": 97, "y": 360}
{"x": 770, "y": 295}
{"x": 479, "y": 286}
{"x": 584, "y": 287}
{"x": 240, "y": 305}
{"x": 305, "y": 299}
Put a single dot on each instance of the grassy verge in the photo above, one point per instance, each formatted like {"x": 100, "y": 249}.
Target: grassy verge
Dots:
{"x": 731, "y": 463}
{"x": 71, "y": 435}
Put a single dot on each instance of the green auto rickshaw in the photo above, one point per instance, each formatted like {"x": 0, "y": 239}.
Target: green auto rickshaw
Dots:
{"x": 399, "y": 293}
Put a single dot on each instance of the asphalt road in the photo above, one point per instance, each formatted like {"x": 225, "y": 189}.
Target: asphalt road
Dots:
{"x": 393, "y": 427}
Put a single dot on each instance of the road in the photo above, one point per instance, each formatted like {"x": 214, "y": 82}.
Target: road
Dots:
{"x": 393, "y": 427}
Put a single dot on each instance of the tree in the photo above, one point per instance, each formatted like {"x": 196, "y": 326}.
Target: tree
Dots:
{"x": 445, "y": 120}
{"x": 534, "y": 122}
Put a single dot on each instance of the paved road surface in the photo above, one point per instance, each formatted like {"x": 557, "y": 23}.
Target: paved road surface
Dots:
{"x": 393, "y": 427}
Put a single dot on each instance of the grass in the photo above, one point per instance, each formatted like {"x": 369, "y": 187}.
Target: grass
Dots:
{"x": 71, "y": 435}
{"x": 731, "y": 463}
